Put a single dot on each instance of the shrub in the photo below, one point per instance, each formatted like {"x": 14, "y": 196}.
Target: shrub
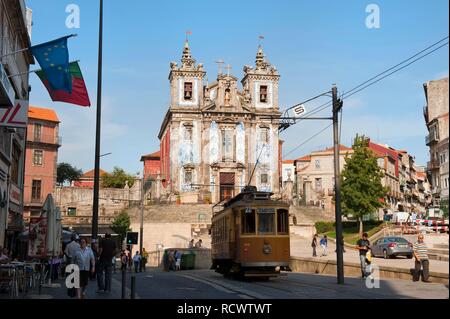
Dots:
{"x": 323, "y": 227}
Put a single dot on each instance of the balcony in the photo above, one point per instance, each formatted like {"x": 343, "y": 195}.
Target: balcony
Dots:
{"x": 432, "y": 165}
{"x": 45, "y": 139}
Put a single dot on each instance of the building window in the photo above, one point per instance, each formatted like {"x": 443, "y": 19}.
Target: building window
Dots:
{"x": 188, "y": 90}
{"x": 443, "y": 158}
{"x": 318, "y": 184}
{"x": 227, "y": 144}
{"x": 317, "y": 164}
{"x": 188, "y": 133}
{"x": 446, "y": 182}
{"x": 15, "y": 165}
{"x": 264, "y": 178}
{"x": 263, "y": 94}
{"x": 37, "y": 132}
{"x": 36, "y": 190}
{"x": 37, "y": 157}
{"x": 264, "y": 135}
{"x": 71, "y": 211}
{"x": 188, "y": 177}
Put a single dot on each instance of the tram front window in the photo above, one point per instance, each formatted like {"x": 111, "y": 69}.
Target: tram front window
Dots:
{"x": 248, "y": 223}
{"x": 266, "y": 220}
{"x": 282, "y": 221}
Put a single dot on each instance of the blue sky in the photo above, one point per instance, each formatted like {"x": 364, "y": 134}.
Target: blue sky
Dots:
{"x": 313, "y": 44}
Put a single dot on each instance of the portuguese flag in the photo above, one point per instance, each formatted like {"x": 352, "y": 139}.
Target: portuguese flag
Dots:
{"x": 79, "y": 94}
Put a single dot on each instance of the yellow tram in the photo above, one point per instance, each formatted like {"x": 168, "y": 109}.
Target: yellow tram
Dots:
{"x": 250, "y": 235}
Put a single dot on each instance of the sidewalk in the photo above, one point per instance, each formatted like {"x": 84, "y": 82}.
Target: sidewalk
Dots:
{"x": 61, "y": 292}
{"x": 301, "y": 247}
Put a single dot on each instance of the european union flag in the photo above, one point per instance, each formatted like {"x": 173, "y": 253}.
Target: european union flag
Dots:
{"x": 53, "y": 57}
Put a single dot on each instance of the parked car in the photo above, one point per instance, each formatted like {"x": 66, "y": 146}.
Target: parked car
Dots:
{"x": 392, "y": 246}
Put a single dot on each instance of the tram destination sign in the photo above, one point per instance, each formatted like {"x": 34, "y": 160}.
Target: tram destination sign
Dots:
{"x": 266, "y": 210}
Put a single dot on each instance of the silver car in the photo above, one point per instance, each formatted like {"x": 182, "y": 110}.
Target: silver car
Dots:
{"x": 392, "y": 246}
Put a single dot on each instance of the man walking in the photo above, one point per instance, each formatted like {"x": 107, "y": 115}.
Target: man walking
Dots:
{"x": 363, "y": 245}
{"x": 107, "y": 251}
{"x": 137, "y": 261}
{"x": 324, "y": 245}
{"x": 314, "y": 245}
{"x": 421, "y": 255}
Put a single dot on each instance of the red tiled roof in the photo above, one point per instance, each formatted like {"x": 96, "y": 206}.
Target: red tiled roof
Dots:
{"x": 288, "y": 162}
{"x": 151, "y": 155}
{"x": 90, "y": 174}
{"x": 306, "y": 158}
{"x": 40, "y": 113}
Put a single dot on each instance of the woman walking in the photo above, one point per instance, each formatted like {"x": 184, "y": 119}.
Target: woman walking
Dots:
{"x": 85, "y": 260}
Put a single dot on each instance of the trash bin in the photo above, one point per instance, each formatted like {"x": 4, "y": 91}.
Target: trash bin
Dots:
{"x": 188, "y": 260}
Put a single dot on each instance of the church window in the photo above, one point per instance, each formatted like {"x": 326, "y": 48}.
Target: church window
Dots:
{"x": 264, "y": 135}
{"x": 227, "y": 143}
{"x": 188, "y": 133}
{"x": 263, "y": 93}
{"x": 188, "y": 177}
{"x": 188, "y": 90}
{"x": 264, "y": 178}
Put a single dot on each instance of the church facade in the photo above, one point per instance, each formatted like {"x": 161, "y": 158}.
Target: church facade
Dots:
{"x": 213, "y": 133}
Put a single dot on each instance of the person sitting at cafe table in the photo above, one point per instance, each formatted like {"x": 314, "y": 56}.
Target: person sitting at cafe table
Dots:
{"x": 4, "y": 259}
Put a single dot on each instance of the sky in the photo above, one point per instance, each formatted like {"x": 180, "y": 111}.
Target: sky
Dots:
{"x": 313, "y": 44}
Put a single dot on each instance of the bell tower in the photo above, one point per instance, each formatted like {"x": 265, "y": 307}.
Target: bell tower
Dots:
{"x": 186, "y": 82}
{"x": 260, "y": 83}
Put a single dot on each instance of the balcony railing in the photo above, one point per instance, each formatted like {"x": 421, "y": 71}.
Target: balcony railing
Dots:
{"x": 433, "y": 164}
{"x": 45, "y": 139}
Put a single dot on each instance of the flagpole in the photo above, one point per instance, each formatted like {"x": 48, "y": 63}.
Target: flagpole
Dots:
{"x": 97, "y": 132}
{"x": 26, "y": 49}
{"x": 34, "y": 71}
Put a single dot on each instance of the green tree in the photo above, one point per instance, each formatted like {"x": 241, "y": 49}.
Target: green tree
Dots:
{"x": 117, "y": 179}
{"x": 121, "y": 225}
{"x": 67, "y": 173}
{"x": 361, "y": 188}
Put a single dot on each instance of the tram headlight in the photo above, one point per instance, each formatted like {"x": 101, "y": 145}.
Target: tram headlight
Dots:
{"x": 277, "y": 268}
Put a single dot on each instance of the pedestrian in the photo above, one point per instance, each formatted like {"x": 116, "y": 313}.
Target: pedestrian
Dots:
{"x": 171, "y": 260}
{"x": 137, "y": 261}
{"x": 94, "y": 248}
{"x": 123, "y": 261}
{"x": 420, "y": 251}
{"x": 178, "y": 255}
{"x": 324, "y": 245}
{"x": 314, "y": 245}
{"x": 363, "y": 245}
{"x": 199, "y": 244}
{"x": 84, "y": 258}
{"x": 107, "y": 250}
{"x": 72, "y": 248}
{"x": 166, "y": 260}
{"x": 144, "y": 259}
{"x": 113, "y": 261}
{"x": 4, "y": 259}
{"x": 191, "y": 244}
{"x": 413, "y": 218}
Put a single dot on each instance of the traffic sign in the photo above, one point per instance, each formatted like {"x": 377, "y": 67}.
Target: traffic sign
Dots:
{"x": 299, "y": 110}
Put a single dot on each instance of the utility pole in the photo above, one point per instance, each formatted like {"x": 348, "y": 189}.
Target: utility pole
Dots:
{"x": 337, "y": 105}
{"x": 141, "y": 235}
{"x": 97, "y": 131}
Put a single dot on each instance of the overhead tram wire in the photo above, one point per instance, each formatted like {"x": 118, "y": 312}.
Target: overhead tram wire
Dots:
{"x": 395, "y": 71}
{"x": 309, "y": 139}
{"x": 349, "y": 93}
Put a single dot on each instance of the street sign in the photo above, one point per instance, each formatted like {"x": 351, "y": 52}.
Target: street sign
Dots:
{"x": 16, "y": 115}
{"x": 299, "y": 110}
{"x": 132, "y": 238}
